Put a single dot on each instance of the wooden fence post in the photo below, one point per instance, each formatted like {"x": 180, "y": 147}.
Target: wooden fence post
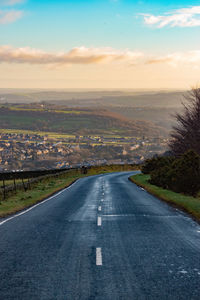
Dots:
{"x": 29, "y": 185}
{"x": 4, "y": 190}
{"x": 15, "y": 188}
{"x": 23, "y": 184}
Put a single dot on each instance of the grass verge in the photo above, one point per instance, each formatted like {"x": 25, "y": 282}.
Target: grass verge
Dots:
{"x": 188, "y": 204}
{"x": 38, "y": 192}
{"x": 20, "y": 200}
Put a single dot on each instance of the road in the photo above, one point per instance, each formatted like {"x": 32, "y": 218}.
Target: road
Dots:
{"x": 102, "y": 238}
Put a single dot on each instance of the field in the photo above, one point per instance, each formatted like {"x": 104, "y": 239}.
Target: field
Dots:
{"x": 155, "y": 107}
{"x": 64, "y": 111}
{"x": 53, "y": 135}
{"x": 74, "y": 122}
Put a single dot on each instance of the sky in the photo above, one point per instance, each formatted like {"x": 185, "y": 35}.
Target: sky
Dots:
{"x": 101, "y": 44}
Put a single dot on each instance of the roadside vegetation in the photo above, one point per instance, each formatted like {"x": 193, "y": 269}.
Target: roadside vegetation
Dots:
{"x": 45, "y": 187}
{"x": 186, "y": 203}
{"x": 179, "y": 174}
{"x": 186, "y": 133}
{"x": 175, "y": 177}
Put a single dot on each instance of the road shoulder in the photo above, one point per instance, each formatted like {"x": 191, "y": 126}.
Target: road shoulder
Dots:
{"x": 188, "y": 204}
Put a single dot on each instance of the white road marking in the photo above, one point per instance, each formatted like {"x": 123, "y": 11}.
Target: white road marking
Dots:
{"x": 99, "y": 222}
{"x": 34, "y": 206}
{"x": 101, "y": 200}
{"x": 99, "y": 208}
{"x": 98, "y": 257}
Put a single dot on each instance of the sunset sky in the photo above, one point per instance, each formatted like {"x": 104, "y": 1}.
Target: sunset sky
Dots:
{"x": 99, "y": 44}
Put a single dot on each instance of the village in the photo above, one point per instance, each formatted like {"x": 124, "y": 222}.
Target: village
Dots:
{"x": 29, "y": 151}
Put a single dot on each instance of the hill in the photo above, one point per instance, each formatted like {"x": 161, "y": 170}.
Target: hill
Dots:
{"x": 83, "y": 98}
{"x": 76, "y": 121}
{"x": 156, "y": 107}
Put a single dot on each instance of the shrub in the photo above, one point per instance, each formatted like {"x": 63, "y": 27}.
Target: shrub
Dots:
{"x": 186, "y": 173}
{"x": 180, "y": 175}
{"x": 161, "y": 177}
{"x": 156, "y": 163}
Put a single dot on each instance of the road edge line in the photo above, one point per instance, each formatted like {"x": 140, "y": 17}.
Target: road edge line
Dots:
{"x": 38, "y": 204}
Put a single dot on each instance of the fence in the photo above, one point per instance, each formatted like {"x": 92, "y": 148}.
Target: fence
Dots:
{"x": 25, "y": 179}
{"x": 28, "y": 178}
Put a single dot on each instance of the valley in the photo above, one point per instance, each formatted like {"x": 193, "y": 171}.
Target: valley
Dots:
{"x": 106, "y": 127}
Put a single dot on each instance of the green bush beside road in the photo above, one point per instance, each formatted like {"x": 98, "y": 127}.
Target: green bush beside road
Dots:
{"x": 180, "y": 174}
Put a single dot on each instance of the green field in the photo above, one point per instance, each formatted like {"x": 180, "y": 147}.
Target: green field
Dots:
{"x": 53, "y": 135}
{"x": 73, "y": 122}
{"x": 63, "y": 136}
{"x": 76, "y": 112}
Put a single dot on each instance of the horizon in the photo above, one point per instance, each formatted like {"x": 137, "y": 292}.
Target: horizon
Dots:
{"x": 99, "y": 89}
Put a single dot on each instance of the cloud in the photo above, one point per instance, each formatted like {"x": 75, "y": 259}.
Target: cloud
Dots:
{"x": 10, "y": 2}
{"x": 79, "y": 55}
{"x": 178, "y": 58}
{"x": 11, "y": 16}
{"x": 184, "y": 17}
{"x": 92, "y": 56}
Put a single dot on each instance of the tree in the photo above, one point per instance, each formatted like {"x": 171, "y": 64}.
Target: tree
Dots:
{"x": 186, "y": 134}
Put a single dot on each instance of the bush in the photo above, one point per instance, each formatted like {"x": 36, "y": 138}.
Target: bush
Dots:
{"x": 186, "y": 173}
{"x": 180, "y": 175}
{"x": 161, "y": 177}
{"x": 156, "y": 163}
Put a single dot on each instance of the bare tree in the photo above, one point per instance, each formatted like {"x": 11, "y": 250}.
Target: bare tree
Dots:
{"x": 186, "y": 134}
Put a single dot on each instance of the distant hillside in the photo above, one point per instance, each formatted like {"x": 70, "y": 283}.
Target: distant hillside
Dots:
{"x": 156, "y": 107}
{"x": 74, "y": 121}
{"x": 162, "y": 117}
{"x": 147, "y": 100}
{"x": 95, "y": 98}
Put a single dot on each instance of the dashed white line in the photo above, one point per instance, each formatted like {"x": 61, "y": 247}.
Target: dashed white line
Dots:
{"x": 99, "y": 208}
{"x": 102, "y": 200}
{"x": 99, "y": 222}
{"x": 98, "y": 257}
{"x": 34, "y": 206}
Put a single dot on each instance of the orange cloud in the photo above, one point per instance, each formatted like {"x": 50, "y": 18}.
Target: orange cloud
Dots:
{"x": 79, "y": 55}
{"x": 89, "y": 56}
{"x": 178, "y": 58}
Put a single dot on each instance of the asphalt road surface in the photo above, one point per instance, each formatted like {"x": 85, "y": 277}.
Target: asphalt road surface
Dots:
{"x": 102, "y": 238}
